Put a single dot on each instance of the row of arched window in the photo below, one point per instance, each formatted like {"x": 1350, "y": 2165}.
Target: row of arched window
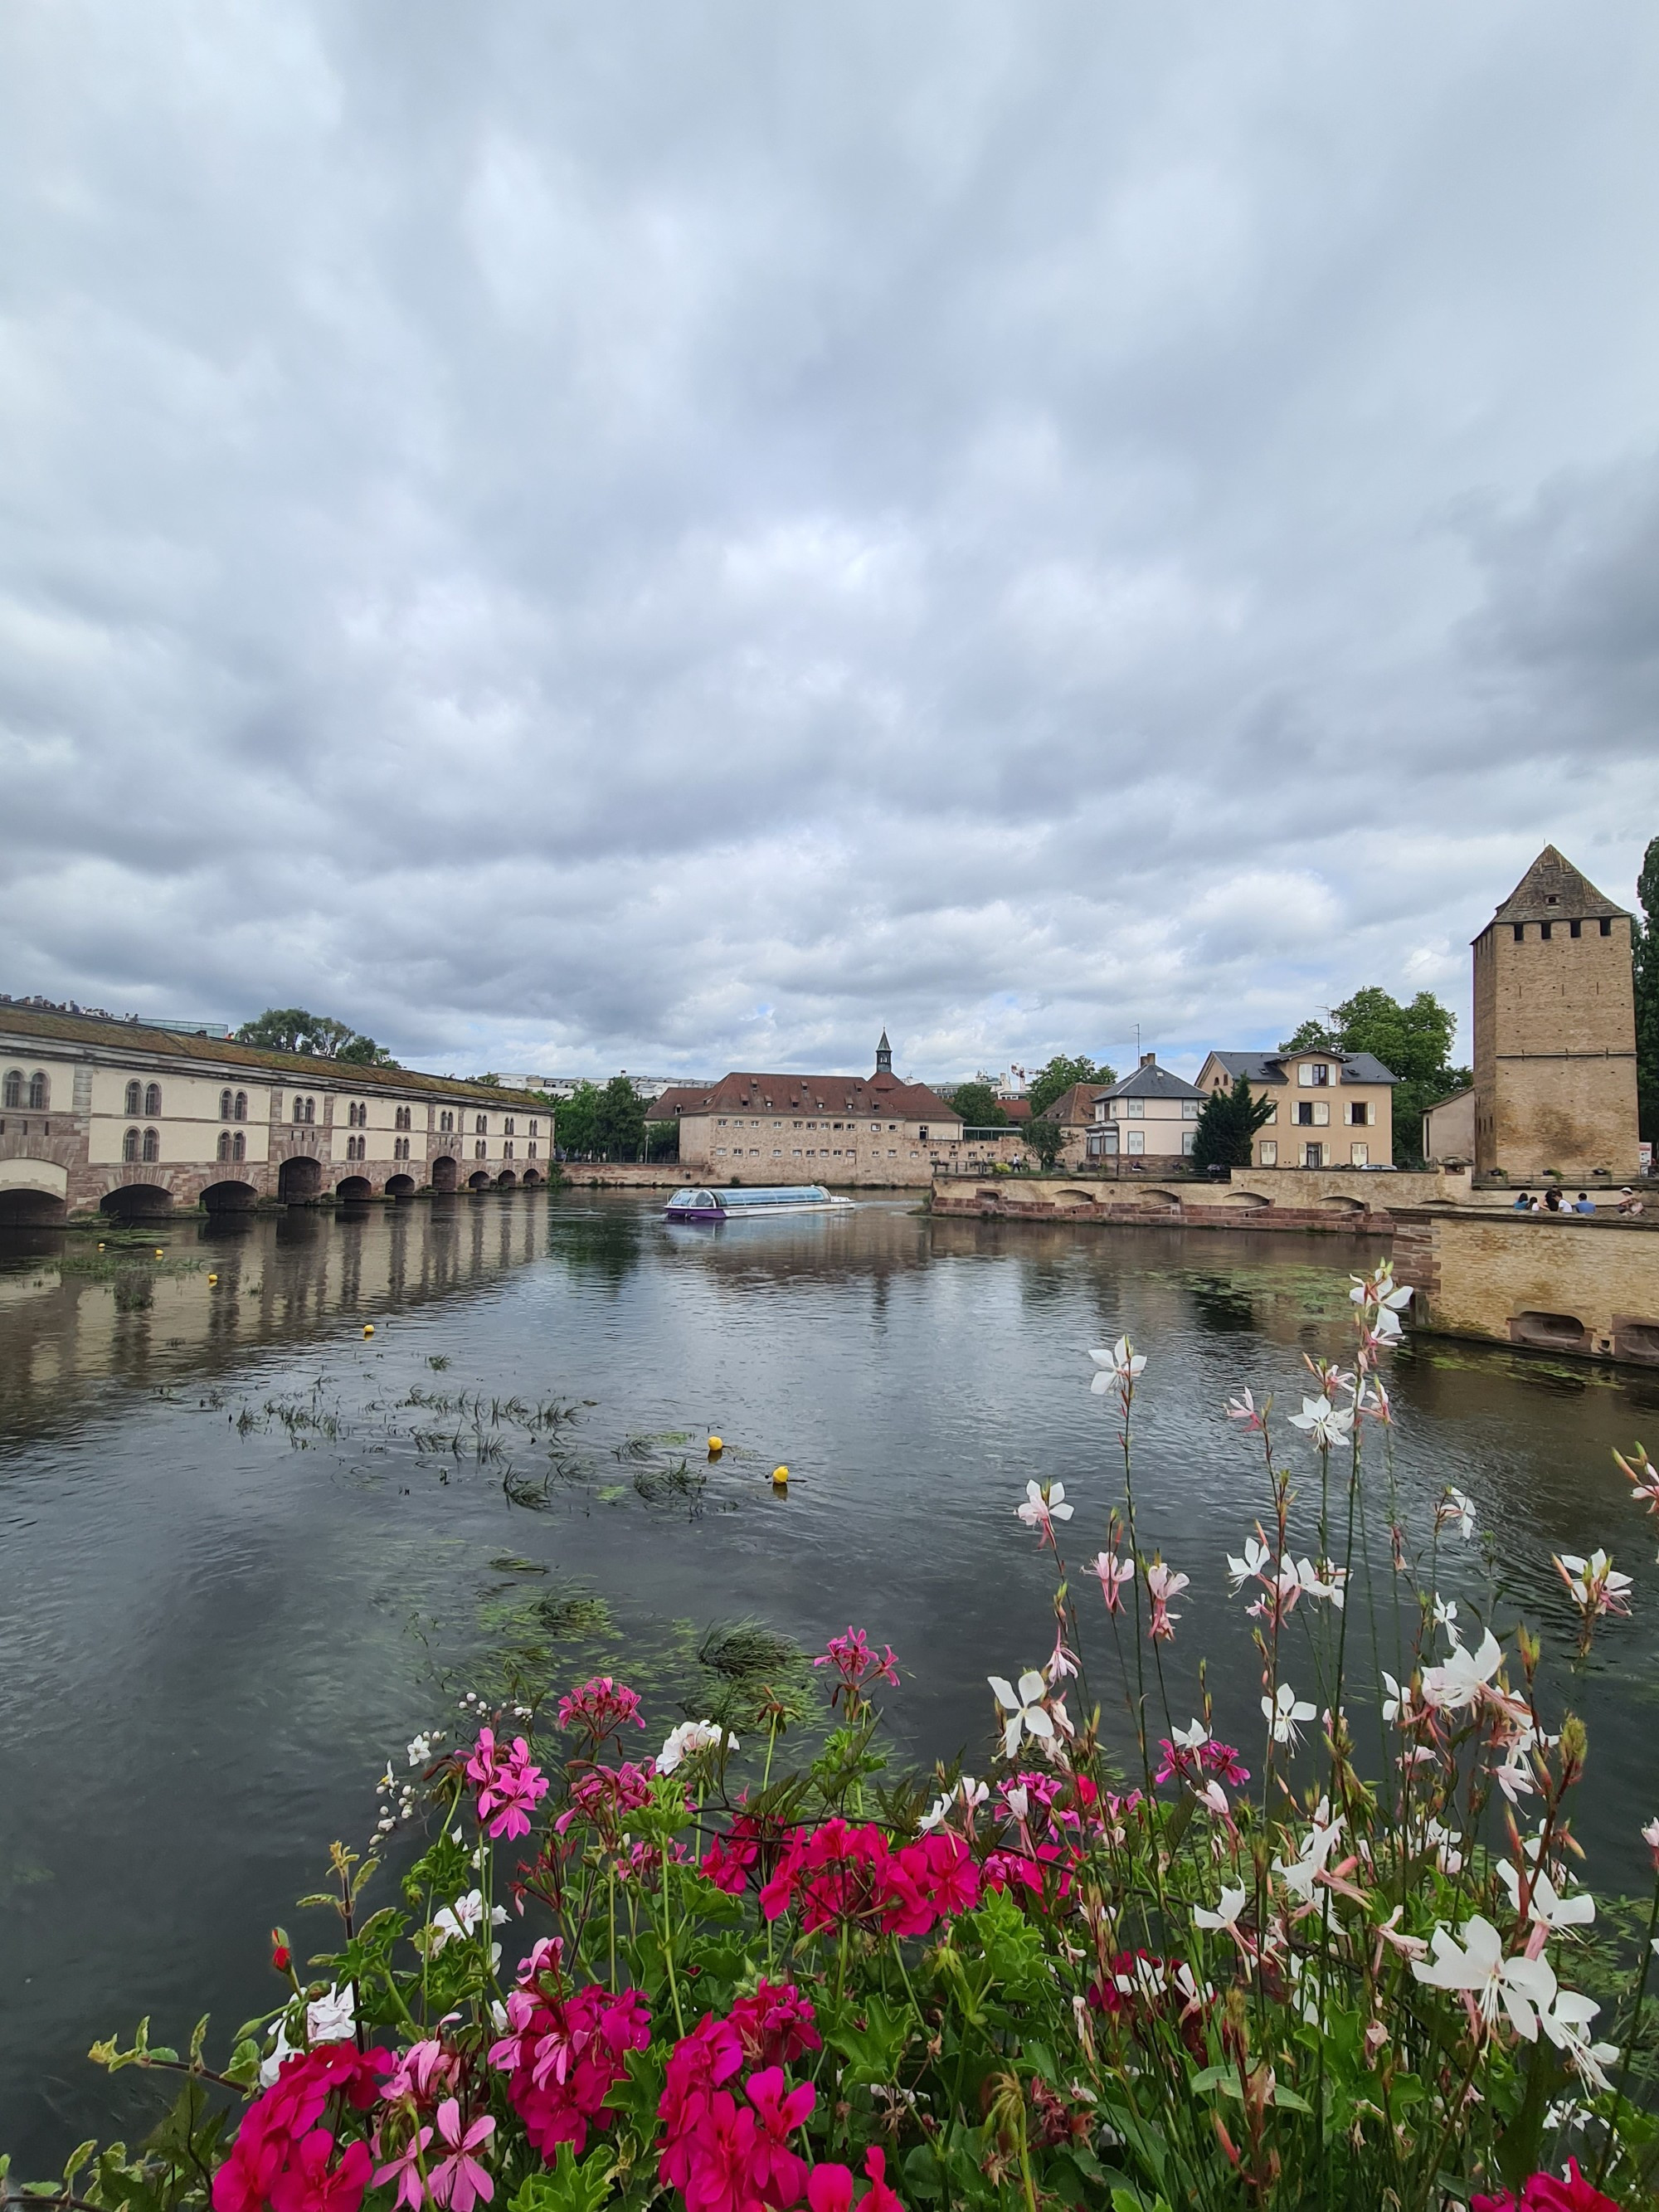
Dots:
{"x": 357, "y": 1148}
{"x": 232, "y": 1148}
{"x": 233, "y": 1106}
{"x": 35, "y": 1087}
{"x": 142, "y": 1145}
{"x": 305, "y": 1110}
{"x": 143, "y": 1098}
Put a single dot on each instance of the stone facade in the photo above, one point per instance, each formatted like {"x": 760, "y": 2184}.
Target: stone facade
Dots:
{"x": 1555, "y": 1032}
{"x": 1569, "y": 1283}
{"x": 107, "y": 1115}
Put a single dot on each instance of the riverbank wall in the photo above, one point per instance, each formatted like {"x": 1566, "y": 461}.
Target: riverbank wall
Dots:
{"x": 1332, "y": 1200}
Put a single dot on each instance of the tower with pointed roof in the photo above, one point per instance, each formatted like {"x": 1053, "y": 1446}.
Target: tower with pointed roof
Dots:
{"x": 884, "y": 1056}
{"x": 1555, "y": 1030}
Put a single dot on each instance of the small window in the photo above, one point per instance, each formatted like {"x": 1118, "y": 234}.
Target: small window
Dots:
{"x": 224, "y": 1143}
{"x": 152, "y": 1098}
{"x": 507, "y": 1150}
{"x": 152, "y": 1144}
{"x": 134, "y": 1097}
{"x": 1360, "y": 1156}
{"x": 1269, "y": 1151}
{"x": 1137, "y": 1141}
{"x": 1575, "y": 929}
{"x": 225, "y": 1102}
{"x": 1304, "y": 1114}
{"x": 15, "y": 1089}
{"x": 481, "y": 1127}
{"x": 1605, "y": 927}
{"x": 311, "y": 1109}
{"x": 509, "y": 1126}
{"x": 129, "y": 1145}
{"x": 446, "y": 1124}
{"x": 478, "y": 1148}
{"x": 239, "y": 1146}
{"x": 1544, "y": 931}
{"x": 1321, "y": 1113}
{"x": 40, "y": 1092}
{"x": 299, "y": 1110}
{"x": 535, "y": 1129}
{"x": 1136, "y": 1110}
{"x": 241, "y": 1109}
{"x": 531, "y": 1152}
{"x": 1520, "y": 931}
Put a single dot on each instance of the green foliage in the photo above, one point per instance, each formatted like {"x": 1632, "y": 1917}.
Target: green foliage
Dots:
{"x": 619, "y": 1120}
{"x": 1227, "y": 1123}
{"x": 575, "y": 1122}
{"x": 318, "y": 1036}
{"x": 1050, "y": 1083}
{"x": 569, "y": 2187}
{"x": 1046, "y": 1139}
{"x": 978, "y": 1105}
{"x": 1646, "y": 954}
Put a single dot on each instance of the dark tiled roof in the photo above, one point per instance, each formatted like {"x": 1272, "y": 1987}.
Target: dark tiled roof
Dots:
{"x": 1552, "y": 890}
{"x": 746, "y": 1093}
{"x": 217, "y": 1053}
{"x": 1149, "y": 1080}
{"x": 1269, "y": 1066}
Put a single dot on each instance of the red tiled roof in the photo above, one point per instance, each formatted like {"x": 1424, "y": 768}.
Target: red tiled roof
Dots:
{"x": 1075, "y": 1105}
{"x": 746, "y": 1093}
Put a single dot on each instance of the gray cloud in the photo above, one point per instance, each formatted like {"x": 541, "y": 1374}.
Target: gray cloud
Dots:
{"x": 676, "y": 538}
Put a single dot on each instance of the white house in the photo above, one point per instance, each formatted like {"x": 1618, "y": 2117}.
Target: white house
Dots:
{"x": 1150, "y": 1115}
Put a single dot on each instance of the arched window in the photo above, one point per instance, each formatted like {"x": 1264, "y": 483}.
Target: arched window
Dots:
{"x": 482, "y": 1125}
{"x": 224, "y": 1143}
{"x": 129, "y": 1145}
{"x": 446, "y": 1123}
{"x": 225, "y": 1103}
{"x": 13, "y": 1093}
{"x": 509, "y": 1127}
{"x": 478, "y": 1149}
{"x": 135, "y": 1099}
{"x": 40, "y": 1093}
{"x": 311, "y": 1109}
{"x": 241, "y": 1109}
{"x": 152, "y": 1098}
{"x": 402, "y": 1121}
{"x": 239, "y": 1146}
{"x": 152, "y": 1144}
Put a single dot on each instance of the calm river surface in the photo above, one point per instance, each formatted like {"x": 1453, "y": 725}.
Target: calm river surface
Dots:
{"x": 245, "y": 1550}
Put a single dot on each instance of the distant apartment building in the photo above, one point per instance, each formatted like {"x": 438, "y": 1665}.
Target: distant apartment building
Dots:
{"x": 1151, "y": 1115}
{"x": 1555, "y": 1030}
{"x": 1330, "y": 1110}
{"x": 860, "y": 1130}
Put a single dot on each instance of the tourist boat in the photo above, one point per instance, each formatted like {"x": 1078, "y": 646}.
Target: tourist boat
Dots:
{"x": 743, "y": 1205}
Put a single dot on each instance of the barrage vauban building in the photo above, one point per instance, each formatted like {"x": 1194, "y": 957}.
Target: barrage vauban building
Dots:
{"x": 96, "y": 1113}
{"x": 869, "y": 1129}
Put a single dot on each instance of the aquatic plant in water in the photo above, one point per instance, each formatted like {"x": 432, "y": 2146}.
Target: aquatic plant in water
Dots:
{"x": 1342, "y": 1968}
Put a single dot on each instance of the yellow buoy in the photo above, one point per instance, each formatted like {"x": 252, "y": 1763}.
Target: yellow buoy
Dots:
{"x": 158, "y": 1251}
{"x": 780, "y": 1478}
{"x": 716, "y": 1446}
{"x": 213, "y": 1279}
{"x": 369, "y": 1329}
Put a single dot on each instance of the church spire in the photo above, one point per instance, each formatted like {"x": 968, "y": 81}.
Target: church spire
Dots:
{"x": 884, "y": 1056}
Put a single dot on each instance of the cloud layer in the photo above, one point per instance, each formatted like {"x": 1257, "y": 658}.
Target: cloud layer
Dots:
{"x": 674, "y": 538}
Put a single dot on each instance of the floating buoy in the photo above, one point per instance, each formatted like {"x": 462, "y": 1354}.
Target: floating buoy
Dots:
{"x": 158, "y": 1252}
{"x": 369, "y": 1329}
{"x": 716, "y": 1446}
{"x": 100, "y": 1248}
{"x": 779, "y": 1478}
{"x": 213, "y": 1279}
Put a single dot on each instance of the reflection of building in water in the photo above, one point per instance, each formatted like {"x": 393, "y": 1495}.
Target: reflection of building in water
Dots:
{"x": 95, "y": 1113}
{"x": 76, "y": 1318}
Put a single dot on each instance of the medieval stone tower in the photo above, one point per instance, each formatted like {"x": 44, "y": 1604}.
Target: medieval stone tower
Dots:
{"x": 1555, "y": 1030}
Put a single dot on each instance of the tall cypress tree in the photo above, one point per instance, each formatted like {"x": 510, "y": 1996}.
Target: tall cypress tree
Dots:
{"x": 1227, "y": 1124}
{"x": 1646, "y": 951}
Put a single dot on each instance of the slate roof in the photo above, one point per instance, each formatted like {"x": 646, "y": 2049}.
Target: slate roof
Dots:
{"x": 742, "y": 1092}
{"x": 1552, "y": 890}
{"x": 215, "y": 1055}
{"x": 1149, "y": 1080}
{"x": 1269, "y": 1066}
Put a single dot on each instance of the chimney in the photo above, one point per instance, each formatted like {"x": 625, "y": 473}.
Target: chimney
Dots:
{"x": 1149, "y": 1059}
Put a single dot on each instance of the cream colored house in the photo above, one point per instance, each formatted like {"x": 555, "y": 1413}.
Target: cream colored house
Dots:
{"x": 1331, "y": 1109}
{"x": 1448, "y": 1130}
{"x": 1150, "y": 1115}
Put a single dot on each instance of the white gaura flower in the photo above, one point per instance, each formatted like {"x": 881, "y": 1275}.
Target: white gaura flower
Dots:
{"x": 1299, "y": 1874}
{"x": 1026, "y": 1713}
{"x": 688, "y": 1739}
{"x": 331, "y": 2018}
{"x": 1379, "y": 1290}
{"x": 1226, "y": 1913}
{"x": 1566, "y": 2022}
{"x": 1545, "y": 1904}
{"x": 1455, "y": 1512}
{"x": 1465, "y": 1677}
{"x": 1045, "y": 1504}
{"x": 1447, "y": 1846}
{"x": 1595, "y": 1585}
{"x": 1285, "y": 1711}
{"x": 1397, "y": 1702}
{"x": 1445, "y": 1616}
{"x": 1018, "y": 1802}
{"x": 1118, "y": 1367}
{"x": 1325, "y": 1424}
{"x": 1191, "y": 1738}
{"x": 1522, "y": 1987}
{"x": 1514, "y": 1777}
{"x": 1255, "y": 1562}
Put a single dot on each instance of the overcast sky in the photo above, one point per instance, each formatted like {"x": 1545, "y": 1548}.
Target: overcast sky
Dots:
{"x": 672, "y": 536}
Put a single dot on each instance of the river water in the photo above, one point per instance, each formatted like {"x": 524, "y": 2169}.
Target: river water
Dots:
{"x": 247, "y": 1549}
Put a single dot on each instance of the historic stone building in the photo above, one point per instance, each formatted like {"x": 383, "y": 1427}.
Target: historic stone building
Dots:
{"x": 859, "y": 1129}
{"x": 1555, "y": 1030}
{"x": 96, "y": 1113}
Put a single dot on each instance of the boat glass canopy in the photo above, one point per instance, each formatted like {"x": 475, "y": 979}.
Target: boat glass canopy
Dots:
{"x": 757, "y": 1202}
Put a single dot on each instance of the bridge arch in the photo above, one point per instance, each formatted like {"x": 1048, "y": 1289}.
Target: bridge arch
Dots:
{"x": 32, "y": 1191}
{"x": 354, "y": 1190}
{"x": 532, "y": 1177}
{"x": 299, "y": 1179}
{"x": 444, "y": 1173}
{"x": 137, "y": 1200}
{"x": 400, "y": 1185}
{"x": 506, "y": 1180}
{"x": 230, "y": 1197}
{"x": 477, "y": 1181}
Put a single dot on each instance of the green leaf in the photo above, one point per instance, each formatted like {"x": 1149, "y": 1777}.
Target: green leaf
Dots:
{"x": 569, "y": 2187}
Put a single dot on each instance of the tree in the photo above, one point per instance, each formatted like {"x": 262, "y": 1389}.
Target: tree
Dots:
{"x": 1645, "y": 934}
{"x": 1227, "y": 1124}
{"x": 1046, "y": 1139}
{"x": 619, "y": 1120}
{"x": 1051, "y": 1082}
{"x": 662, "y": 1140}
{"x": 319, "y": 1037}
{"x": 576, "y": 1122}
{"x": 976, "y": 1103}
{"x": 1413, "y": 1042}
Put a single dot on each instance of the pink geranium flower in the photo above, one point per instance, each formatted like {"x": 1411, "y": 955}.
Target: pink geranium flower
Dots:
{"x": 459, "y": 2181}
